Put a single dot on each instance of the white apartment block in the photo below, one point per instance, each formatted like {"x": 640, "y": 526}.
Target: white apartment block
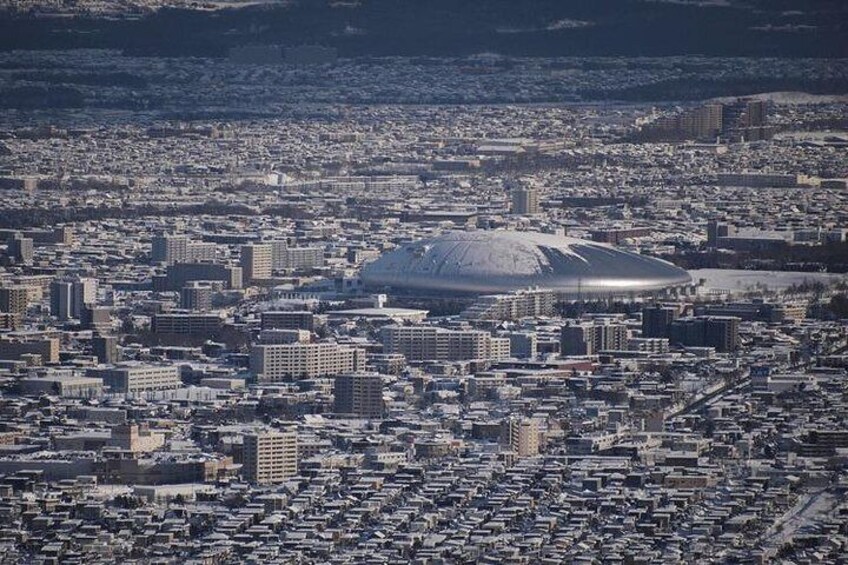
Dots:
{"x": 425, "y": 343}
{"x": 269, "y": 457}
{"x": 271, "y": 363}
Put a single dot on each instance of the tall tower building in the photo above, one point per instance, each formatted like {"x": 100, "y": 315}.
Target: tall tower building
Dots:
{"x": 269, "y": 457}
{"x": 61, "y": 297}
{"x": 256, "y": 261}
{"x": 85, "y": 294}
{"x": 525, "y": 200}
{"x": 68, "y": 299}
{"x": 361, "y": 395}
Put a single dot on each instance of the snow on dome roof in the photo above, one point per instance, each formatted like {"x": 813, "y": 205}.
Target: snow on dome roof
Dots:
{"x": 502, "y": 261}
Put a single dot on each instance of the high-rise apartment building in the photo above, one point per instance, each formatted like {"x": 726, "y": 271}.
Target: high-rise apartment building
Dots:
{"x": 105, "y": 348}
{"x": 46, "y": 348}
{"x": 98, "y": 318}
{"x": 14, "y": 299}
{"x": 301, "y": 258}
{"x": 85, "y": 294}
{"x": 289, "y": 320}
{"x": 196, "y": 296}
{"x": 271, "y": 363}
{"x": 181, "y": 274}
{"x": 269, "y": 457}
{"x": 657, "y": 319}
{"x": 256, "y": 261}
{"x": 68, "y": 298}
{"x": 703, "y": 122}
{"x": 61, "y": 297}
{"x": 525, "y": 200}
{"x": 512, "y": 306}
{"x": 187, "y": 323}
{"x": 522, "y": 436}
{"x": 425, "y": 343}
{"x": 170, "y": 249}
{"x": 720, "y": 332}
{"x": 590, "y": 338}
{"x": 359, "y": 394}
{"x": 523, "y": 345}
{"x": 21, "y": 249}
{"x": 716, "y": 230}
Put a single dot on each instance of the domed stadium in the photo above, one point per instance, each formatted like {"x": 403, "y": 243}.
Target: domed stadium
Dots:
{"x": 485, "y": 262}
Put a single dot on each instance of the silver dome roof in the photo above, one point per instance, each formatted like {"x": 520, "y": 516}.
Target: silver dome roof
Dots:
{"x": 503, "y": 261}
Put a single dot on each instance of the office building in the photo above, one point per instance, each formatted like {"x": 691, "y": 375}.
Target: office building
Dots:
{"x": 359, "y": 394}
{"x": 269, "y": 457}
{"x": 716, "y": 230}
{"x": 256, "y": 262}
{"x": 135, "y": 438}
{"x": 272, "y": 363}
